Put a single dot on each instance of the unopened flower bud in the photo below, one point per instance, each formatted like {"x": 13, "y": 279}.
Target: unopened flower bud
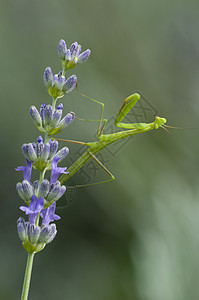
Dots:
{"x": 48, "y": 77}
{"x": 48, "y": 115}
{"x": 84, "y": 56}
{"x": 79, "y": 50}
{"x": 45, "y": 153}
{"x": 35, "y": 116}
{"x": 68, "y": 55}
{"x": 55, "y": 79}
{"x": 67, "y": 120}
{"x": 25, "y": 151}
{"x": 27, "y": 189}
{"x": 56, "y": 117}
{"x": 62, "y": 49}
{"x": 53, "y": 148}
{"x": 61, "y": 192}
{"x": 69, "y": 84}
{"x": 60, "y": 82}
{"x": 35, "y": 186}
{"x": 33, "y": 232}
{"x": 39, "y": 146}
{"x": 74, "y": 49}
{"x": 62, "y": 153}
{"x": 29, "y": 152}
{"x": 47, "y": 234}
{"x": 55, "y": 190}
{"x": 21, "y": 228}
{"x": 44, "y": 188}
{"x": 20, "y": 191}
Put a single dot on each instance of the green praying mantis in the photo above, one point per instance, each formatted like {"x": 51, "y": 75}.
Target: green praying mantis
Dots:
{"x": 106, "y": 139}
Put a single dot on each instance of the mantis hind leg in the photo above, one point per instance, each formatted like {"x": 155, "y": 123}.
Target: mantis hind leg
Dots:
{"x": 100, "y": 120}
{"x": 103, "y": 167}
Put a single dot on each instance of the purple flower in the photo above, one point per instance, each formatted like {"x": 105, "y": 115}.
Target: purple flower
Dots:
{"x": 26, "y": 170}
{"x": 49, "y": 215}
{"x": 35, "y": 207}
{"x": 56, "y": 171}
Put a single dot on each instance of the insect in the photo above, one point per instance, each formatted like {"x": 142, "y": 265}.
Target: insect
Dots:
{"x": 106, "y": 139}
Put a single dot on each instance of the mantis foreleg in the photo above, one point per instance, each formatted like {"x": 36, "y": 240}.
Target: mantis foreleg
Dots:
{"x": 124, "y": 110}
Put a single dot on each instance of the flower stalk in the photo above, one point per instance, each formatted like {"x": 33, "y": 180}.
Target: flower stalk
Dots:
{"x": 27, "y": 277}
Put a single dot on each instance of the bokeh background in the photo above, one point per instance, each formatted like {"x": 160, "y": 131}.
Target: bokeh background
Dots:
{"x": 136, "y": 238}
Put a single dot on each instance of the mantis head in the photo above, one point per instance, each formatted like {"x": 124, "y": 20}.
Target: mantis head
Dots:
{"x": 159, "y": 122}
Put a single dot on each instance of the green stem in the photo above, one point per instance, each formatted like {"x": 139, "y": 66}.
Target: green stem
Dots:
{"x": 63, "y": 71}
{"x": 54, "y": 103}
{"x": 27, "y": 277}
{"x": 46, "y": 138}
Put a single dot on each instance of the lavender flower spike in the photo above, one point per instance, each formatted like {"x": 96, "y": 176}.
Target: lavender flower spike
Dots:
{"x": 26, "y": 170}
{"x": 35, "y": 207}
{"x": 55, "y": 172}
{"x": 49, "y": 215}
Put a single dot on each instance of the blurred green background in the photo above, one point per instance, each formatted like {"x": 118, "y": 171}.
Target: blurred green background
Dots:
{"x": 136, "y": 237}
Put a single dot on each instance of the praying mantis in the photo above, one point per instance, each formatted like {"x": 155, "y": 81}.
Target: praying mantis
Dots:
{"x": 106, "y": 139}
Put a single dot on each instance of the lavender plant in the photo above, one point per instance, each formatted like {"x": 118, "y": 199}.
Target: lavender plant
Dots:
{"x": 41, "y": 195}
